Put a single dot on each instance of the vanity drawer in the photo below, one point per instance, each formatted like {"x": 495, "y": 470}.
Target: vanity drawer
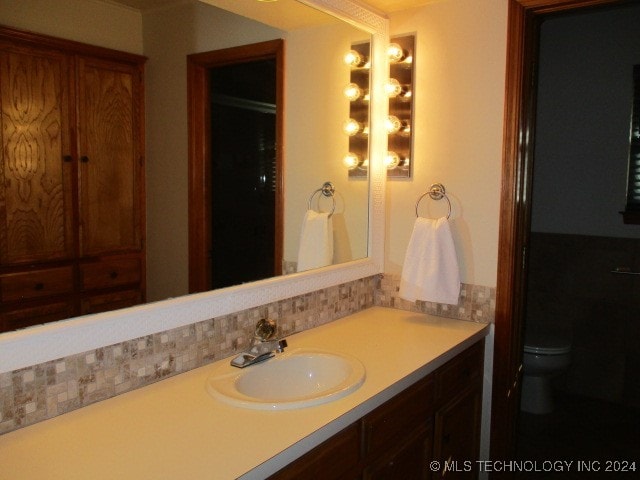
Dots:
{"x": 37, "y": 313}
{"x": 36, "y": 283}
{"x": 390, "y": 423}
{"x": 110, "y": 301}
{"x": 110, "y": 273}
{"x": 463, "y": 371}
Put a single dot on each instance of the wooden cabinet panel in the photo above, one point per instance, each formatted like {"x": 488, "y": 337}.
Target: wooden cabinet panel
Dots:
{"x": 111, "y": 183}
{"x": 36, "y": 217}
{"x": 36, "y": 313}
{"x": 111, "y": 272}
{"x": 458, "y": 416}
{"x": 457, "y": 435}
{"x": 461, "y": 372}
{"x": 36, "y": 284}
{"x": 110, "y": 301}
{"x": 389, "y": 423}
{"x": 335, "y": 459}
{"x": 409, "y": 462}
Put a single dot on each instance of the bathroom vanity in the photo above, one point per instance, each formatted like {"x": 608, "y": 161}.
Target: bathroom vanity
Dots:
{"x": 420, "y": 401}
{"x": 437, "y": 419}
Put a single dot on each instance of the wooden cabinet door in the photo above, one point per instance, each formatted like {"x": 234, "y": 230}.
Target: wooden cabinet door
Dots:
{"x": 36, "y": 177}
{"x": 111, "y": 188}
{"x": 335, "y": 459}
{"x": 457, "y": 435}
{"x": 409, "y": 462}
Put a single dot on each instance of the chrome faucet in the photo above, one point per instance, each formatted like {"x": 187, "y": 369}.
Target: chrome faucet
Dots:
{"x": 263, "y": 346}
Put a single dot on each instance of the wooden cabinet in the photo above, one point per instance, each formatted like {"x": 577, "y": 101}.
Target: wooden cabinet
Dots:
{"x": 458, "y": 414}
{"x": 71, "y": 179}
{"x": 338, "y": 458}
{"x": 436, "y": 419}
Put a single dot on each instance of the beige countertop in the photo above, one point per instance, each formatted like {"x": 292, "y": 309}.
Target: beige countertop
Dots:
{"x": 174, "y": 429}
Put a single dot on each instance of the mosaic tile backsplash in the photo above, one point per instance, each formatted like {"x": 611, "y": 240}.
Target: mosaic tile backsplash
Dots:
{"x": 43, "y": 391}
{"x": 475, "y": 304}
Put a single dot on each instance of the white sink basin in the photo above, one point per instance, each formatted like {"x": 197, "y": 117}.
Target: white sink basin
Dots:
{"x": 295, "y": 379}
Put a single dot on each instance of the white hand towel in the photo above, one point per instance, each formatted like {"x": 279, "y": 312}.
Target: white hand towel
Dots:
{"x": 316, "y": 241}
{"x": 430, "y": 271}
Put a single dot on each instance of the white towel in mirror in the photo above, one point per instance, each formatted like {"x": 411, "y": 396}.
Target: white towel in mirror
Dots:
{"x": 430, "y": 270}
{"x": 316, "y": 241}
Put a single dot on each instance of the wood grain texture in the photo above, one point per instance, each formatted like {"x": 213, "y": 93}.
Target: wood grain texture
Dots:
{"x": 109, "y": 167}
{"x": 35, "y": 192}
{"x": 71, "y": 179}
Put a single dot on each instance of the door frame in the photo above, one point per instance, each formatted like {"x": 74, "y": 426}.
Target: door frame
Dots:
{"x": 524, "y": 19}
{"x": 199, "y": 122}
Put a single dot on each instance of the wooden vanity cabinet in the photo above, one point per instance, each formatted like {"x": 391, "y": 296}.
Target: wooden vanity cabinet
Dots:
{"x": 458, "y": 413}
{"x": 337, "y": 458}
{"x": 71, "y": 179}
{"x": 397, "y": 435}
{"x": 437, "y": 418}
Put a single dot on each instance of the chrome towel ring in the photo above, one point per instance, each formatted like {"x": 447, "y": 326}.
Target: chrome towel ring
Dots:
{"x": 327, "y": 190}
{"x": 436, "y": 192}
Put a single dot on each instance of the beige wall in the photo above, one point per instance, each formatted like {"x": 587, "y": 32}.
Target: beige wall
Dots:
{"x": 89, "y": 21}
{"x": 459, "y": 100}
{"x": 170, "y": 34}
{"x": 315, "y": 143}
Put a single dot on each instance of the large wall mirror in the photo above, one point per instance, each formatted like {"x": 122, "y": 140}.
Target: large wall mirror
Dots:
{"x": 314, "y": 147}
{"x": 312, "y": 142}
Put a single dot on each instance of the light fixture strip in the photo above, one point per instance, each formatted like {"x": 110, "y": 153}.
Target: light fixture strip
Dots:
{"x": 400, "y": 89}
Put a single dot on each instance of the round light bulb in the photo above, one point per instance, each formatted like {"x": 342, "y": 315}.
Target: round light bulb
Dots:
{"x": 353, "y": 58}
{"x": 395, "y": 53}
{"x": 351, "y": 127}
{"x": 392, "y": 88}
{"x": 391, "y": 160}
{"x": 352, "y": 92}
{"x": 351, "y": 160}
{"x": 392, "y": 124}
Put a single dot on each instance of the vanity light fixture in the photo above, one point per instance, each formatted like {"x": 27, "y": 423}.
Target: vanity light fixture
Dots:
{"x": 357, "y": 126}
{"x": 399, "y": 89}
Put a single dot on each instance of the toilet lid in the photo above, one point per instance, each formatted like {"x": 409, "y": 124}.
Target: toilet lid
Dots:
{"x": 546, "y": 343}
{"x": 547, "y": 350}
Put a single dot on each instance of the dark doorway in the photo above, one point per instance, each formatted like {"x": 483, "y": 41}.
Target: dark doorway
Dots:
{"x": 524, "y": 22}
{"x": 243, "y": 172}
{"x": 235, "y": 164}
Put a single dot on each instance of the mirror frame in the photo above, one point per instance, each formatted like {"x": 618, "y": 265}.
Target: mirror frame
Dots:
{"x": 38, "y": 344}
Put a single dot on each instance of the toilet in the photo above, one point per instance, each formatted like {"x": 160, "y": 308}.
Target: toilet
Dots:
{"x": 546, "y": 354}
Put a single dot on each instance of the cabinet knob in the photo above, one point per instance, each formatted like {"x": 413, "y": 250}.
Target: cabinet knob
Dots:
{"x": 113, "y": 275}
{"x": 84, "y": 159}
{"x": 67, "y": 158}
{"x": 39, "y": 286}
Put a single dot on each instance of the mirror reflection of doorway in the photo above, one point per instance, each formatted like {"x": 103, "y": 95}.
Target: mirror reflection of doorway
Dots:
{"x": 235, "y": 165}
{"x": 243, "y": 172}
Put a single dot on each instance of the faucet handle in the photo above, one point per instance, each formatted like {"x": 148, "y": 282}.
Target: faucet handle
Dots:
{"x": 265, "y": 329}
{"x": 282, "y": 344}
